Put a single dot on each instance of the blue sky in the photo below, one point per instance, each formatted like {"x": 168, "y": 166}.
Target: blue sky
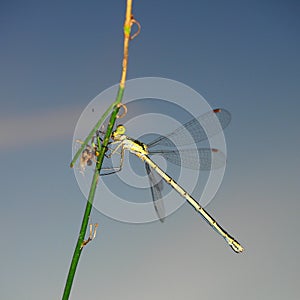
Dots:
{"x": 242, "y": 55}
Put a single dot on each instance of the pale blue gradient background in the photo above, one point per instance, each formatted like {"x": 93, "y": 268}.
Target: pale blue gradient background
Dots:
{"x": 242, "y": 55}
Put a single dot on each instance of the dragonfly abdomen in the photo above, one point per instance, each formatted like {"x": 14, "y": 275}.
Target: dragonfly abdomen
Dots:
{"x": 229, "y": 239}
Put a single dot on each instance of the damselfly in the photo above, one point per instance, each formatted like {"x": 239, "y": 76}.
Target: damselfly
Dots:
{"x": 184, "y": 157}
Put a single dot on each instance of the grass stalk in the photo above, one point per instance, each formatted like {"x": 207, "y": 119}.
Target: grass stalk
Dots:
{"x": 114, "y": 107}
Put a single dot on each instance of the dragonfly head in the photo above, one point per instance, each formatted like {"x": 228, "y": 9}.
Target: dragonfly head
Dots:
{"x": 120, "y": 130}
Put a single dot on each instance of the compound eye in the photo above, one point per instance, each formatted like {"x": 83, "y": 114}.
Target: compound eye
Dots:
{"x": 120, "y": 129}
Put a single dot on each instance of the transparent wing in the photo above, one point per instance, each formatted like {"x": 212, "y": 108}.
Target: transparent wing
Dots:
{"x": 156, "y": 185}
{"x": 195, "y": 159}
{"x": 196, "y": 129}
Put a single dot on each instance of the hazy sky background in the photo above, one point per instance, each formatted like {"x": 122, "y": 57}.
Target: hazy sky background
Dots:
{"x": 56, "y": 56}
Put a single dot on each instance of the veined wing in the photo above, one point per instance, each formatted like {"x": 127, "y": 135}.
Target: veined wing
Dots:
{"x": 195, "y": 127}
{"x": 156, "y": 185}
{"x": 195, "y": 159}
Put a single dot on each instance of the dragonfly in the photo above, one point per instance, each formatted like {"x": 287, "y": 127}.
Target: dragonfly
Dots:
{"x": 209, "y": 158}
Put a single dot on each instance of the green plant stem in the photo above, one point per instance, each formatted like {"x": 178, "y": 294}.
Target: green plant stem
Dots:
{"x": 89, "y": 205}
{"x": 115, "y": 107}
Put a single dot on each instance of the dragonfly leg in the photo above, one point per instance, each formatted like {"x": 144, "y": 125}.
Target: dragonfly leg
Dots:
{"x": 115, "y": 150}
{"x": 117, "y": 169}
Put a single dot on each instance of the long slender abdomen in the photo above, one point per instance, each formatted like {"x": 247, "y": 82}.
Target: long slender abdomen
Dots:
{"x": 229, "y": 239}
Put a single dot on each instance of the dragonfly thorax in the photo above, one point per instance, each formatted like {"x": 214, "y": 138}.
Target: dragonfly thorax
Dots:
{"x": 128, "y": 143}
{"x": 135, "y": 146}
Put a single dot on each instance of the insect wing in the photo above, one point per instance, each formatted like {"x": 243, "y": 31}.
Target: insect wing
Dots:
{"x": 196, "y": 159}
{"x": 156, "y": 185}
{"x": 199, "y": 128}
